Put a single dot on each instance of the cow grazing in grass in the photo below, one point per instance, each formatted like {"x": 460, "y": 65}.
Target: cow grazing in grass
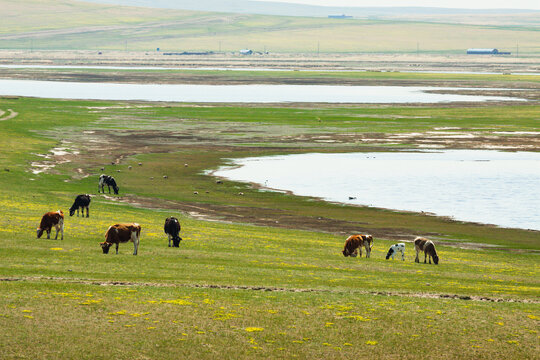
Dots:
{"x": 82, "y": 202}
{"x": 427, "y": 246}
{"x": 50, "y": 219}
{"x": 394, "y": 249}
{"x": 121, "y": 233}
{"x": 109, "y": 181}
{"x": 355, "y": 243}
{"x": 172, "y": 228}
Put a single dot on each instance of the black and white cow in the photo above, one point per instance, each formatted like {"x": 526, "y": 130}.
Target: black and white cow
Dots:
{"x": 394, "y": 249}
{"x": 82, "y": 202}
{"x": 172, "y": 228}
{"x": 109, "y": 181}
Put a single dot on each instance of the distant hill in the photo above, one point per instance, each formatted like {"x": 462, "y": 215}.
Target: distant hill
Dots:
{"x": 290, "y": 9}
{"x": 84, "y": 25}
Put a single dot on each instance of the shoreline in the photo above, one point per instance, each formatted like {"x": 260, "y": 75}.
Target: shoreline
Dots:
{"x": 299, "y": 61}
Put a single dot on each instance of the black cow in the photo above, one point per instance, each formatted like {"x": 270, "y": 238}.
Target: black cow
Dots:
{"x": 172, "y": 228}
{"x": 109, "y": 181}
{"x": 82, "y": 202}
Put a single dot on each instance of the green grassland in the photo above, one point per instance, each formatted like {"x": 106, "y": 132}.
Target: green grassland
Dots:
{"x": 73, "y": 25}
{"x": 235, "y": 290}
{"x": 186, "y": 76}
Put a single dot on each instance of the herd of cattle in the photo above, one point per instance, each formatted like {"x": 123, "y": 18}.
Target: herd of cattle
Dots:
{"x": 354, "y": 244}
{"x": 122, "y": 233}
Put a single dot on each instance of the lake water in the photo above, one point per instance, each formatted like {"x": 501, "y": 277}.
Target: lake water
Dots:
{"x": 236, "y": 93}
{"x": 491, "y": 187}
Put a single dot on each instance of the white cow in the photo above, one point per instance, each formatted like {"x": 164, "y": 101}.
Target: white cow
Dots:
{"x": 394, "y": 249}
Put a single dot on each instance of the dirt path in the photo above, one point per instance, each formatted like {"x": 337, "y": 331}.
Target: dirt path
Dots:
{"x": 12, "y": 114}
{"x": 269, "y": 288}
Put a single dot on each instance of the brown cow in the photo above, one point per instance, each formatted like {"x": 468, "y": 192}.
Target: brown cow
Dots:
{"x": 121, "y": 233}
{"x": 427, "y": 246}
{"x": 50, "y": 219}
{"x": 355, "y": 242}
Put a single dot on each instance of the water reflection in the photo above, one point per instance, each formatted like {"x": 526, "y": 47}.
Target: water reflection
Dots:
{"x": 481, "y": 186}
{"x": 261, "y": 93}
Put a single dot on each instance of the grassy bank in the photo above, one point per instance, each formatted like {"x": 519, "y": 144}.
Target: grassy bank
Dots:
{"x": 234, "y": 289}
{"x": 232, "y": 77}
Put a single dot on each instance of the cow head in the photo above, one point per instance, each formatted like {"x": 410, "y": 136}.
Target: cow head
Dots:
{"x": 436, "y": 259}
{"x": 347, "y": 252}
{"x": 72, "y": 211}
{"x": 39, "y": 232}
{"x": 105, "y": 246}
{"x": 390, "y": 252}
{"x": 116, "y": 189}
{"x": 176, "y": 241}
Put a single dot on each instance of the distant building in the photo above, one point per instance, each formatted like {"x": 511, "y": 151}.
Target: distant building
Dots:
{"x": 246, "y": 52}
{"x": 342, "y": 16}
{"x": 486, "y": 52}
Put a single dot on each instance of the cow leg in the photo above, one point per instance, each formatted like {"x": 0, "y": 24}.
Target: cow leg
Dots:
{"x": 425, "y": 257}
{"x": 403, "y": 256}
{"x": 135, "y": 243}
{"x": 87, "y": 211}
{"x": 56, "y": 227}
{"x": 62, "y": 229}
{"x": 368, "y": 251}
{"x": 360, "y": 251}
{"x": 117, "y": 248}
{"x": 49, "y": 233}
{"x": 135, "y": 247}
{"x": 417, "y": 260}
{"x": 169, "y": 236}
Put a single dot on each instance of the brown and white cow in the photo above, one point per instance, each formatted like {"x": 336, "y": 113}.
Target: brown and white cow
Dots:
{"x": 355, "y": 243}
{"x": 121, "y": 233}
{"x": 427, "y": 246}
{"x": 50, "y": 219}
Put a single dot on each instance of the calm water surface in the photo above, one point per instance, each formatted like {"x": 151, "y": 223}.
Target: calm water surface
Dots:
{"x": 471, "y": 185}
{"x": 234, "y": 93}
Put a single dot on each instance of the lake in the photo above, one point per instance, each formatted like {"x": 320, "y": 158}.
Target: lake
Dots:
{"x": 492, "y": 187}
{"x": 261, "y": 93}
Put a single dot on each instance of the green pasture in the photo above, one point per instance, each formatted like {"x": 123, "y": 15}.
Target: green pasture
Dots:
{"x": 74, "y": 25}
{"x": 235, "y": 290}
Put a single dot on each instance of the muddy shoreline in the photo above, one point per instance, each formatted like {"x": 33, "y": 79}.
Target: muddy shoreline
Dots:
{"x": 291, "y": 61}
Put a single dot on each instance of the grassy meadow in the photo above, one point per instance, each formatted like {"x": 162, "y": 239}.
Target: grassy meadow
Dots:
{"x": 233, "y": 289}
{"x": 76, "y": 25}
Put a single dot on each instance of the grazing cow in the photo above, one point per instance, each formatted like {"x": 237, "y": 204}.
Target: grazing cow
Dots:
{"x": 109, "y": 181}
{"x": 50, "y": 219}
{"x": 172, "y": 228}
{"x": 121, "y": 233}
{"x": 82, "y": 202}
{"x": 355, "y": 242}
{"x": 394, "y": 249}
{"x": 427, "y": 246}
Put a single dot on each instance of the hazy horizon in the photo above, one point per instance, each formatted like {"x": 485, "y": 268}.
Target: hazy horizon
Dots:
{"x": 454, "y": 4}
